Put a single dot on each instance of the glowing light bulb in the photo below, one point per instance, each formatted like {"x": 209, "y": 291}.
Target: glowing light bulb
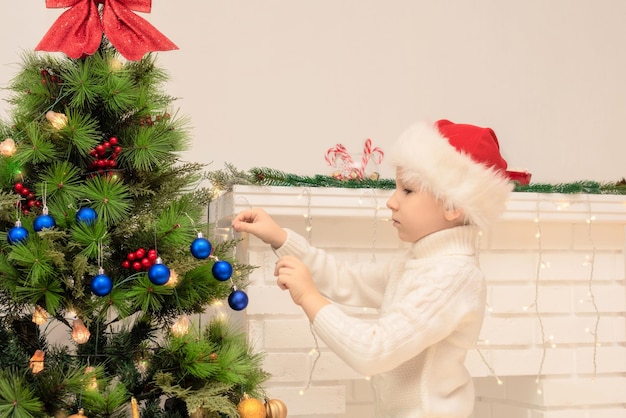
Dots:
{"x": 7, "y": 147}
{"x": 40, "y": 316}
{"x": 115, "y": 64}
{"x": 92, "y": 382}
{"x": 181, "y": 326}
{"x": 173, "y": 280}
{"x": 80, "y": 333}
{"x": 57, "y": 120}
{"x": 36, "y": 361}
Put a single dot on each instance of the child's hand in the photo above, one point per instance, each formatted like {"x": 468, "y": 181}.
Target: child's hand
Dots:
{"x": 294, "y": 276}
{"x": 258, "y": 223}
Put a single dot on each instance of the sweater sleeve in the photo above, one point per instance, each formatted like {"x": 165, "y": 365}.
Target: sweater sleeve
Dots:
{"x": 350, "y": 284}
{"x": 425, "y": 311}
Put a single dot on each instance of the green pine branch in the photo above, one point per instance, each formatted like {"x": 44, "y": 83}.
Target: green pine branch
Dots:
{"x": 273, "y": 177}
{"x": 586, "y": 187}
{"x": 17, "y": 398}
{"x": 211, "y": 397}
{"x": 80, "y": 85}
{"x": 81, "y": 134}
{"x": 108, "y": 197}
{"x": 148, "y": 297}
{"x": 36, "y": 147}
{"x": 220, "y": 352}
{"x": 62, "y": 183}
{"x": 32, "y": 91}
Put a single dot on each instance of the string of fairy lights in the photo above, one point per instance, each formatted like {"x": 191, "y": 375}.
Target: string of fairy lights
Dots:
{"x": 315, "y": 352}
{"x": 545, "y": 339}
{"x": 590, "y": 262}
{"x": 81, "y": 334}
{"x": 541, "y": 264}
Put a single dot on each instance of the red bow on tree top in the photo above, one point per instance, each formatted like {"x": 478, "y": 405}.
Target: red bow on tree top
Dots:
{"x": 78, "y": 31}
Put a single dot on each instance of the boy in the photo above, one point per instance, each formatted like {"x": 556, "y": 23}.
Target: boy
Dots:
{"x": 450, "y": 183}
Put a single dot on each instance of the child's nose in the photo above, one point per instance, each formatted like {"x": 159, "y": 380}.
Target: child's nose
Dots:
{"x": 391, "y": 202}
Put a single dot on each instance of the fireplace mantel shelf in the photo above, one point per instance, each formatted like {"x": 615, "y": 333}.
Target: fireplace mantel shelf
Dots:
{"x": 367, "y": 203}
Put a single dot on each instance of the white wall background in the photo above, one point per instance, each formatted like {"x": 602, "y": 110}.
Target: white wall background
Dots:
{"x": 275, "y": 83}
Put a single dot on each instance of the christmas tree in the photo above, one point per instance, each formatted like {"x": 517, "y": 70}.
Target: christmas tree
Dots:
{"x": 103, "y": 234}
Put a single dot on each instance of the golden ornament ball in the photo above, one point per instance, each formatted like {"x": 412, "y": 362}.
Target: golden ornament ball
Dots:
{"x": 80, "y": 414}
{"x": 275, "y": 408}
{"x": 251, "y": 407}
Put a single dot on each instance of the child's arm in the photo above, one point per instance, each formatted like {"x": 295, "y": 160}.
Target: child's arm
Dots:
{"x": 349, "y": 283}
{"x": 355, "y": 285}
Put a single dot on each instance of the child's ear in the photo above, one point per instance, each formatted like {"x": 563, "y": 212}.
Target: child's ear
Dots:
{"x": 453, "y": 214}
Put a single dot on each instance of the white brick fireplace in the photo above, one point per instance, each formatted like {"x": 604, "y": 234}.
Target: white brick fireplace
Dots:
{"x": 554, "y": 340}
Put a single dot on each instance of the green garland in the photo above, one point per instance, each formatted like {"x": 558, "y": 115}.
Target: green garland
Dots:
{"x": 586, "y": 187}
{"x": 225, "y": 179}
{"x": 271, "y": 177}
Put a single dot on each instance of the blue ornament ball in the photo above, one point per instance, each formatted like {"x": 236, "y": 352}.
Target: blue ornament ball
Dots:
{"x": 222, "y": 270}
{"x": 238, "y": 300}
{"x": 86, "y": 215}
{"x": 17, "y": 234}
{"x": 159, "y": 274}
{"x": 43, "y": 222}
{"x": 101, "y": 285}
{"x": 200, "y": 248}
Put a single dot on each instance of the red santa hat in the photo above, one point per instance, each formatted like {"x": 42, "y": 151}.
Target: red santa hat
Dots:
{"x": 460, "y": 164}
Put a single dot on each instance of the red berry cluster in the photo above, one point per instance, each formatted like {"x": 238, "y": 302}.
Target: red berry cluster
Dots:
{"x": 48, "y": 79}
{"x": 28, "y": 201}
{"x": 47, "y": 76}
{"x": 105, "y": 155}
{"x": 140, "y": 259}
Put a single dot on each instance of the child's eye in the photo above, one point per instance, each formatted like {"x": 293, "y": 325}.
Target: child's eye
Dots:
{"x": 407, "y": 191}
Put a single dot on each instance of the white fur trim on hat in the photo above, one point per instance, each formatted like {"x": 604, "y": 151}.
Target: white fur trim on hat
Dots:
{"x": 426, "y": 160}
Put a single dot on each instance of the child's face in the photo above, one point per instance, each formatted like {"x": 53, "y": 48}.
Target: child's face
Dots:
{"x": 415, "y": 213}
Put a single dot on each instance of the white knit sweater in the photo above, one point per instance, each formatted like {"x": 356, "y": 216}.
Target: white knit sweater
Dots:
{"x": 431, "y": 304}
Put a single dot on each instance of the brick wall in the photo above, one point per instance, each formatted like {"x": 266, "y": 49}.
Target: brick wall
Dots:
{"x": 554, "y": 340}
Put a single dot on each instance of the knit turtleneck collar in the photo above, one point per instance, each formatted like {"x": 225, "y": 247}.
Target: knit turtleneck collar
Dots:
{"x": 461, "y": 240}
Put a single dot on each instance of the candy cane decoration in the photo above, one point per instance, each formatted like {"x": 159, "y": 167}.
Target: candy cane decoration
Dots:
{"x": 347, "y": 168}
{"x": 369, "y": 152}
{"x": 338, "y": 151}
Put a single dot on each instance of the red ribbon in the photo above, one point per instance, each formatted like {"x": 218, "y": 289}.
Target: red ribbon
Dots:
{"x": 78, "y": 31}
